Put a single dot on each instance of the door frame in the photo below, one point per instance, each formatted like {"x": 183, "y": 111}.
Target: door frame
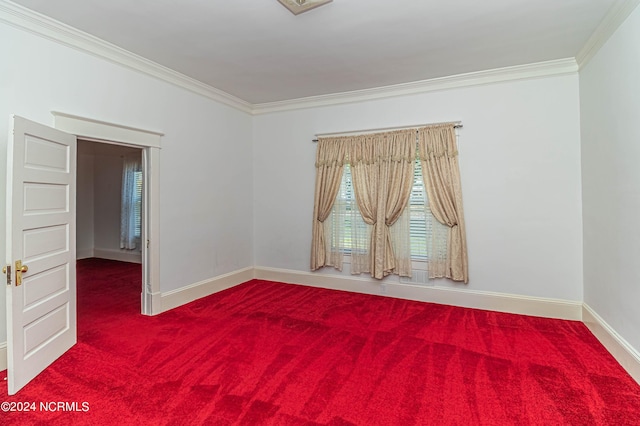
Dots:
{"x": 149, "y": 141}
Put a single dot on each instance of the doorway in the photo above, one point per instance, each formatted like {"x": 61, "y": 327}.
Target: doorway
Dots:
{"x": 109, "y": 214}
{"x": 100, "y": 201}
{"x": 148, "y": 143}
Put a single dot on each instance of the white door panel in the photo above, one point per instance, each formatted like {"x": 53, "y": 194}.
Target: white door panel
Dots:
{"x": 41, "y": 194}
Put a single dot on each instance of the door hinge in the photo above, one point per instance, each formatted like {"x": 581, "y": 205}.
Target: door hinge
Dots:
{"x": 147, "y": 243}
{"x": 7, "y": 270}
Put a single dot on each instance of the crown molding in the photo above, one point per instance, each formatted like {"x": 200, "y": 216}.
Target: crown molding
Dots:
{"x": 618, "y": 13}
{"x": 519, "y": 72}
{"x": 41, "y": 25}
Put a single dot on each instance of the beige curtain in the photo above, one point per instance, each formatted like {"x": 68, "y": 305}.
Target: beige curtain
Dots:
{"x": 382, "y": 170}
{"x": 401, "y": 242}
{"x": 439, "y": 158}
{"x": 330, "y": 159}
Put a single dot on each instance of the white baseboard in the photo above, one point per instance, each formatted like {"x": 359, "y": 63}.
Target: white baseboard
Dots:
{"x": 3, "y": 356}
{"x": 621, "y": 350}
{"x": 173, "y": 299}
{"x": 120, "y": 255}
{"x": 84, "y": 253}
{"x": 153, "y": 303}
{"x": 500, "y": 302}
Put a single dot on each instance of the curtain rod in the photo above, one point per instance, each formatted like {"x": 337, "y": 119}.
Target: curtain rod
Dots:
{"x": 457, "y": 125}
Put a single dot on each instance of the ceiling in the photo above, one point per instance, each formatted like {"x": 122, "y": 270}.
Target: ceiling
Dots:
{"x": 260, "y": 52}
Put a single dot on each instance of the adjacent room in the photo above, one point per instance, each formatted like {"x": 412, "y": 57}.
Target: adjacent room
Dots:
{"x": 327, "y": 212}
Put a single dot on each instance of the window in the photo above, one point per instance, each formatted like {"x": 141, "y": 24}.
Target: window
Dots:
{"x": 131, "y": 204}
{"x": 351, "y": 233}
{"x": 415, "y": 240}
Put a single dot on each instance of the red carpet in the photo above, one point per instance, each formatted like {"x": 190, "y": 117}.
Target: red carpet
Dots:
{"x": 266, "y": 353}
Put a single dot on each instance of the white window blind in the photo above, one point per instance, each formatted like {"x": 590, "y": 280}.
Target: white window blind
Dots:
{"x": 349, "y": 230}
{"x": 137, "y": 203}
{"x": 418, "y": 216}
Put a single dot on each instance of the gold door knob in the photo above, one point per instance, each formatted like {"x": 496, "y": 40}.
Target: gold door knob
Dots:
{"x": 20, "y": 269}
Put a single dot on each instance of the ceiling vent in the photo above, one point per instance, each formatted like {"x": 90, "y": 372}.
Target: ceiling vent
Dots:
{"x": 298, "y": 6}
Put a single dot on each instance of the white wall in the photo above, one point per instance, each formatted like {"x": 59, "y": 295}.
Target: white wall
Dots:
{"x": 205, "y": 173}
{"x": 610, "y": 109}
{"x": 107, "y": 188}
{"x": 520, "y": 166}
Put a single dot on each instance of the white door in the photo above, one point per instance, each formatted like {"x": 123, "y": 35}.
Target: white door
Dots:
{"x": 41, "y": 241}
